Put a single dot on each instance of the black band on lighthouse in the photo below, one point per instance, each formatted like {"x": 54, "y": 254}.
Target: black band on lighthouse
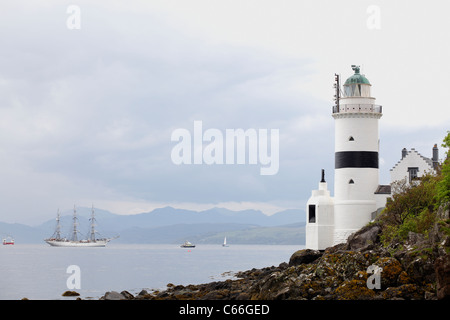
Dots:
{"x": 356, "y": 159}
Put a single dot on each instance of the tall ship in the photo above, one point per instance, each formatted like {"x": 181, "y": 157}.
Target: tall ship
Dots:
{"x": 92, "y": 241}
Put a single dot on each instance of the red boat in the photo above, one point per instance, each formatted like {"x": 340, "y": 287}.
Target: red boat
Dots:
{"x": 8, "y": 240}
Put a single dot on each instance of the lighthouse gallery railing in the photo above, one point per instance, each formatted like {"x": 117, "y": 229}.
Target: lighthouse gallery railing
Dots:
{"x": 350, "y": 108}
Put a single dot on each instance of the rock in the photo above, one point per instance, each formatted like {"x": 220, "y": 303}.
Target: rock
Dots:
{"x": 243, "y": 296}
{"x": 392, "y": 271}
{"x": 405, "y": 291}
{"x": 442, "y": 267}
{"x": 415, "y": 238}
{"x": 304, "y": 257}
{"x": 283, "y": 265}
{"x": 113, "y": 295}
{"x": 421, "y": 269}
{"x": 363, "y": 238}
{"x": 70, "y": 294}
{"x": 443, "y": 212}
{"x": 143, "y": 292}
{"x": 354, "y": 290}
{"x": 127, "y": 295}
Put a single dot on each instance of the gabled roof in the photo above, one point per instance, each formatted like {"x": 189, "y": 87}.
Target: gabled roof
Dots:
{"x": 427, "y": 160}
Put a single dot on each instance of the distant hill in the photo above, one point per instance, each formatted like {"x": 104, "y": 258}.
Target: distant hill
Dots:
{"x": 287, "y": 234}
{"x": 20, "y": 232}
{"x": 170, "y": 225}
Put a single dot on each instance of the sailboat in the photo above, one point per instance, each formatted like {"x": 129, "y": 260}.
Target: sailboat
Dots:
{"x": 57, "y": 241}
{"x": 225, "y": 242}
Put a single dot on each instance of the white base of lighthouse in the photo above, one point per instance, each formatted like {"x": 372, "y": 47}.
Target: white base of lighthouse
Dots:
{"x": 320, "y": 215}
{"x": 350, "y": 216}
{"x": 319, "y": 237}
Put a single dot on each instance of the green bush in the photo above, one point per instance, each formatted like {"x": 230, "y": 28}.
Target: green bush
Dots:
{"x": 443, "y": 186}
{"x": 413, "y": 206}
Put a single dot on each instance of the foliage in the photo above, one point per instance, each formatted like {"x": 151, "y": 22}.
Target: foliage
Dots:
{"x": 413, "y": 207}
{"x": 443, "y": 186}
{"x": 410, "y": 199}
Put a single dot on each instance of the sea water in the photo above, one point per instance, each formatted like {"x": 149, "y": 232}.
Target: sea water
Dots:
{"x": 39, "y": 271}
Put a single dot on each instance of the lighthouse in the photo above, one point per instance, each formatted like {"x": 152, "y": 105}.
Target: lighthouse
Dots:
{"x": 356, "y": 176}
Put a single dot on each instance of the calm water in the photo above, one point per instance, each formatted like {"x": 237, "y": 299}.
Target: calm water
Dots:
{"x": 38, "y": 271}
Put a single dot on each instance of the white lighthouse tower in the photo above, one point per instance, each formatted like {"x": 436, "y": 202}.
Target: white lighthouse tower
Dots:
{"x": 356, "y": 155}
{"x": 330, "y": 220}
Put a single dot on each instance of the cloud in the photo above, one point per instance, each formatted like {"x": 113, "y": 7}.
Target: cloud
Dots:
{"x": 87, "y": 115}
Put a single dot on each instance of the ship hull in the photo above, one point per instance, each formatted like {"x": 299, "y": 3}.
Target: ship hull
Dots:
{"x": 98, "y": 243}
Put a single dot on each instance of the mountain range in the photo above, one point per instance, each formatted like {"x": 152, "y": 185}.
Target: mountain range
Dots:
{"x": 171, "y": 225}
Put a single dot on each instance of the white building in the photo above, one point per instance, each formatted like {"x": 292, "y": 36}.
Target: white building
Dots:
{"x": 357, "y": 194}
{"x": 413, "y": 165}
{"x": 320, "y": 219}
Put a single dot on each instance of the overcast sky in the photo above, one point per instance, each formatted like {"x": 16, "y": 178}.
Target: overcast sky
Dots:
{"x": 86, "y": 115}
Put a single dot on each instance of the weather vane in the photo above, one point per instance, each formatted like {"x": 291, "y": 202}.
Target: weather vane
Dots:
{"x": 355, "y": 68}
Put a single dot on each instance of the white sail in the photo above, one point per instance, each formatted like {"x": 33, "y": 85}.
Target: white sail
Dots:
{"x": 225, "y": 242}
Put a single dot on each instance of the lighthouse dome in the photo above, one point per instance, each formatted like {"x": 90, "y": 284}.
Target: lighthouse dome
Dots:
{"x": 357, "y": 78}
{"x": 357, "y": 85}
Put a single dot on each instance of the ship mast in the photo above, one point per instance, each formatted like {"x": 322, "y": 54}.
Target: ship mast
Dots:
{"x": 75, "y": 223}
{"x": 92, "y": 219}
{"x": 58, "y": 227}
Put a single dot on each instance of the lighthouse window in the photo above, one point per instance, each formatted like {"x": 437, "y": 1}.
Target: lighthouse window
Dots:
{"x": 312, "y": 213}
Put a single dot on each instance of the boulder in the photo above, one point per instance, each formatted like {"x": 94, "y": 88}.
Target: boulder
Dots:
{"x": 113, "y": 295}
{"x": 354, "y": 290}
{"x": 127, "y": 295}
{"x": 143, "y": 292}
{"x": 404, "y": 292}
{"x": 392, "y": 271}
{"x": 442, "y": 267}
{"x": 304, "y": 257}
{"x": 70, "y": 294}
{"x": 363, "y": 238}
{"x": 420, "y": 267}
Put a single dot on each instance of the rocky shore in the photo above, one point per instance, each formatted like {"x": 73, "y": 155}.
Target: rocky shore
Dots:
{"x": 404, "y": 254}
{"x": 416, "y": 269}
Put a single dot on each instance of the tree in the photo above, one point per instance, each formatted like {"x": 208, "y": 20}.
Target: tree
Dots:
{"x": 443, "y": 186}
{"x": 411, "y": 199}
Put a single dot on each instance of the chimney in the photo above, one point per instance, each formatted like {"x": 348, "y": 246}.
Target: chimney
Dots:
{"x": 435, "y": 156}
{"x": 404, "y": 152}
{"x": 323, "y": 176}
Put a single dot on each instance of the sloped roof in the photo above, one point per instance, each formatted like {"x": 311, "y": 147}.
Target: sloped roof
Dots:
{"x": 427, "y": 160}
{"x": 383, "y": 189}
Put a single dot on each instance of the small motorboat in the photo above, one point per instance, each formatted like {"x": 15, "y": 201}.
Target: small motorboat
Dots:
{"x": 8, "y": 241}
{"x": 187, "y": 244}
